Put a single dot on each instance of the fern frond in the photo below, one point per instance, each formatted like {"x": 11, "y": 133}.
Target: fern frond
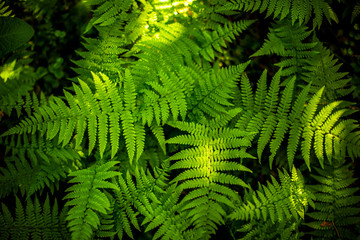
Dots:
{"x": 169, "y": 94}
{"x": 148, "y": 196}
{"x": 268, "y": 117}
{"x": 29, "y": 103}
{"x": 166, "y": 218}
{"x": 124, "y": 212}
{"x": 127, "y": 117}
{"x": 214, "y": 40}
{"x": 107, "y": 12}
{"x": 222, "y": 120}
{"x": 292, "y": 47}
{"x": 249, "y": 121}
{"x": 85, "y": 112}
{"x": 283, "y": 122}
{"x": 345, "y": 139}
{"x": 87, "y": 198}
{"x": 324, "y": 127}
{"x": 37, "y": 148}
{"x": 204, "y": 174}
{"x": 296, "y": 127}
{"x": 323, "y": 71}
{"x": 336, "y": 203}
{"x": 118, "y": 30}
{"x": 165, "y": 97}
{"x": 102, "y": 58}
{"x": 307, "y": 117}
{"x": 270, "y": 104}
{"x": 246, "y": 92}
{"x": 127, "y": 121}
{"x": 34, "y": 222}
{"x": 309, "y": 123}
{"x": 299, "y": 10}
{"x": 277, "y": 202}
{"x": 28, "y": 178}
{"x": 214, "y": 92}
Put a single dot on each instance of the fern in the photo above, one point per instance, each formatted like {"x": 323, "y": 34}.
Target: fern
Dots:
{"x": 87, "y": 198}
{"x": 37, "y": 148}
{"x": 108, "y": 16}
{"x": 167, "y": 217}
{"x": 212, "y": 95}
{"x": 204, "y": 174}
{"x": 172, "y": 136}
{"x": 29, "y": 103}
{"x": 273, "y": 211}
{"x": 295, "y": 52}
{"x": 166, "y": 99}
{"x": 299, "y": 10}
{"x": 218, "y": 37}
{"x": 87, "y": 112}
{"x": 323, "y": 71}
{"x": 36, "y": 221}
{"x": 276, "y": 202}
{"x": 28, "y": 178}
{"x": 169, "y": 97}
{"x": 107, "y": 12}
{"x": 148, "y": 197}
{"x": 312, "y": 125}
{"x": 159, "y": 135}
{"x": 336, "y": 203}
{"x": 270, "y": 116}
{"x": 103, "y": 58}
{"x": 32, "y": 162}
{"x": 124, "y": 214}
{"x": 310, "y": 62}
{"x": 134, "y": 198}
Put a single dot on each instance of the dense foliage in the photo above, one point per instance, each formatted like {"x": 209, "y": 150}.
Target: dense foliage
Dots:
{"x": 177, "y": 120}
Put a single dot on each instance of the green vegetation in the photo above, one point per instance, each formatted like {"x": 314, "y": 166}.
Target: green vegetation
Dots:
{"x": 162, "y": 119}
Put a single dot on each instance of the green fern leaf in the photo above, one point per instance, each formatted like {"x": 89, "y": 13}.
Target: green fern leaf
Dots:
{"x": 306, "y": 119}
{"x": 283, "y": 122}
{"x": 323, "y": 71}
{"x": 213, "y": 96}
{"x": 276, "y": 201}
{"x": 204, "y": 173}
{"x": 28, "y": 178}
{"x": 86, "y": 111}
{"x": 299, "y": 10}
{"x": 87, "y": 200}
{"x": 271, "y": 102}
{"x": 35, "y": 222}
{"x": 336, "y": 203}
{"x": 296, "y": 128}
